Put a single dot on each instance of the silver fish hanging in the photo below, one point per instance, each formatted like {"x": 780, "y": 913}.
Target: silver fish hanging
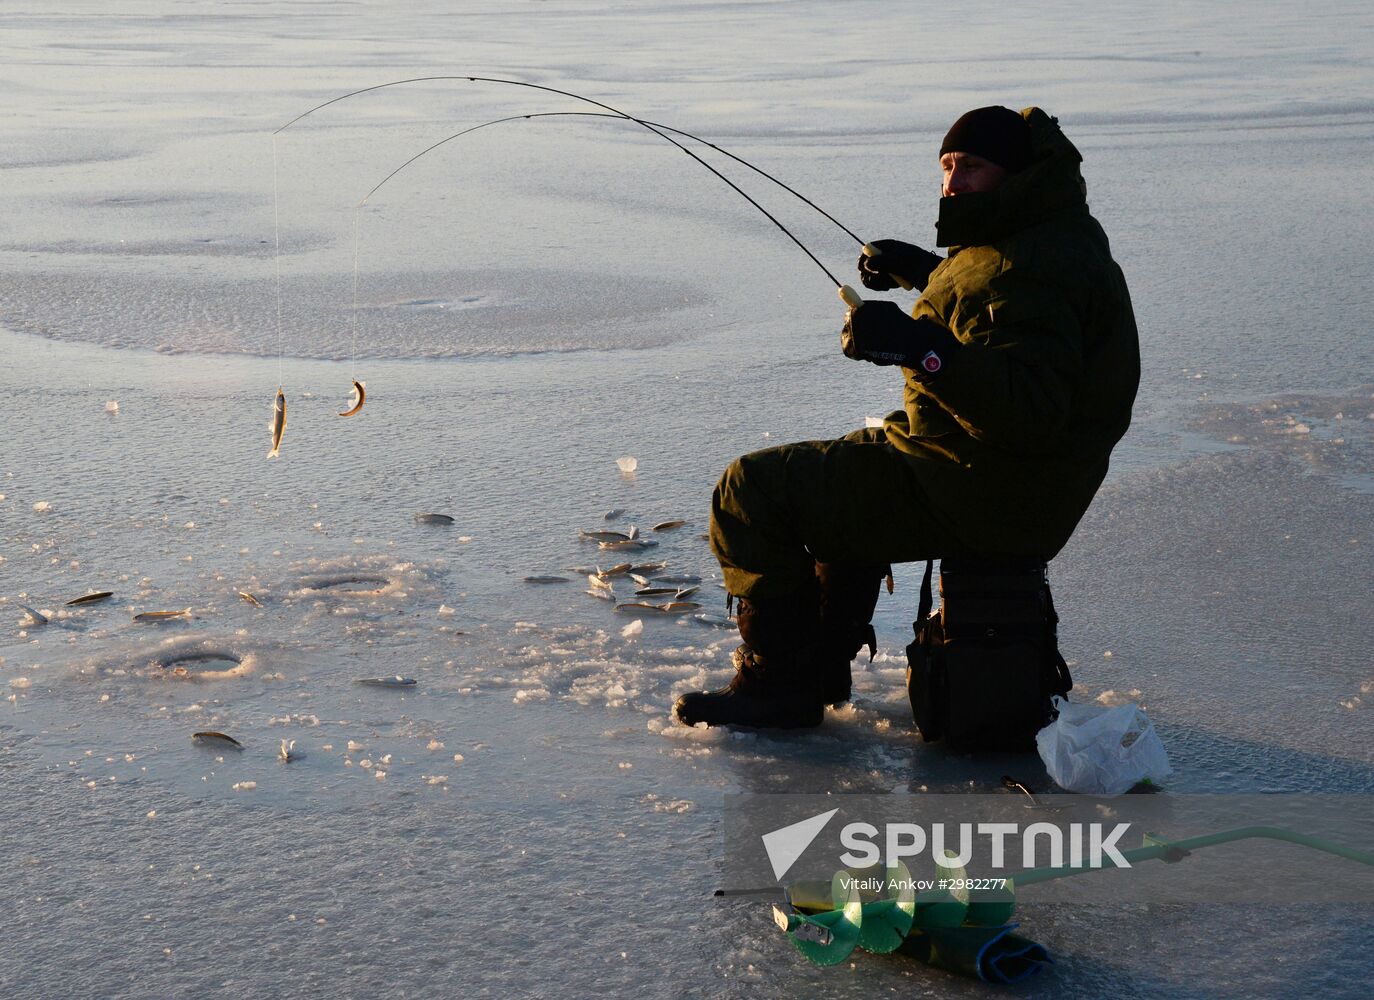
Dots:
{"x": 278, "y": 424}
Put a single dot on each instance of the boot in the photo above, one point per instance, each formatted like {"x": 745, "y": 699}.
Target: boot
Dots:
{"x": 848, "y": 596}
{"x": 775, "y": 682}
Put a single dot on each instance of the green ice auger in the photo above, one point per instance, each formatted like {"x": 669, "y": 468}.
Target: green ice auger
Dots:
{"x": 827, "y": 935}
{"x": 830, "y": 936}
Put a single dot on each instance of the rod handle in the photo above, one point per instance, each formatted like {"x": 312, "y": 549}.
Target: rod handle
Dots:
{"x": 871, "y": 251}
{"x": 851, "y": 297}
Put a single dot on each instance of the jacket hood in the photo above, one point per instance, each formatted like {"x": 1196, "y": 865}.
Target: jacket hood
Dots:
{"x": 1050, "y": 186}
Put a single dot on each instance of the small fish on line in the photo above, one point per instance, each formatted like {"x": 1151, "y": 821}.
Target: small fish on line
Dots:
{"x": 278, "y": 424}
{"x": 91, "y": 598}
{"x": 249, "y": 598}
{"x": 356, "y": 400}
{"x": 668, "y": 525}
{"x": 157, "y": 616}
{"x": 433, "y": 519}
{"x": 213, "y": 739}
{"x": 546, "y": 579}
{"x": 386, "y": 682}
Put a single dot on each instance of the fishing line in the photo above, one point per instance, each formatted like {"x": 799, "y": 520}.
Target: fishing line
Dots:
{"x": 276, "y": 257}
{"x": 658, "y": 125}
{"x": 605, "y": 107}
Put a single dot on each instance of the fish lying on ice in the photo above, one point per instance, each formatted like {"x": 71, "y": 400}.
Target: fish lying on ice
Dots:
{"x": 91, "y": 598}
{"x": 278, "y": 424}
{"x": 157, "y": 616}
{"x": 606, "y": 536}
{"x": 356, "y": 400}
{"x": 668, "y": 525}
{"x": 635, "y": 544}
{"x": 433, "y": 519}
{"x": 386, "y": 682}
{"x": 217, "y": 740}
{"x": 720, "y": 621}
{"x": 37, "y": 617}
{"x": 249, "y": 598}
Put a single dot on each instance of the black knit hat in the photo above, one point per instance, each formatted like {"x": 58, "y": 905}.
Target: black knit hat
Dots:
{"x": 997, "y": 134}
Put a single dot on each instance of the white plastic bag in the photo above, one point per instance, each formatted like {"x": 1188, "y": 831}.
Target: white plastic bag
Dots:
{"x": 1101, "y": 751}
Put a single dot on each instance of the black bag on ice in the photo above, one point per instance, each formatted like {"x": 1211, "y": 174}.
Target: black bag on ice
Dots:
{"x": 983, "y": 667}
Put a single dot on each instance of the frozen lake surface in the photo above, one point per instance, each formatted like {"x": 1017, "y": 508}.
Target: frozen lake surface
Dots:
{"x": 534, "y": 302}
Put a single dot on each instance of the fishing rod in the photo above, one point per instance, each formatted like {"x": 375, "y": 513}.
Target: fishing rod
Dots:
{"x": 658, "y": 125}
{"x": 846, "y": 292}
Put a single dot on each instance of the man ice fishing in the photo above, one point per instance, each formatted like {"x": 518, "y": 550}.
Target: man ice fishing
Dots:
{"x": 1021, "y": 363}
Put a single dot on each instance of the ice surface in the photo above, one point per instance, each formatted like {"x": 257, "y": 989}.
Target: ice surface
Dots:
{"x": 534, "y": 303}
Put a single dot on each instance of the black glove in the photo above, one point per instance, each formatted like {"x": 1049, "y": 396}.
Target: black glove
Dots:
{"x": 896, "y": 258}
{"x": 880, "y": 332}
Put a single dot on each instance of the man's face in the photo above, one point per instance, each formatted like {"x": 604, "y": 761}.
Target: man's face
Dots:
{"x": 968, "y": 174}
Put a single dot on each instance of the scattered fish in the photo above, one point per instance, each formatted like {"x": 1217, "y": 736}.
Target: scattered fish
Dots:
{"x": 633, "y": 532}
{"x": 606, "y": 536}
{"x": 635, "y": 544}
{"x": 213, "y": 739}
{"x": 278, "y": 424}
{"x": 643, "y": 581}
{"x": 720, "y": 621}
{"x": 250, "y": 598}
{"x": 91, "y": 598}
{"x": 357, "y": 399}
{"x": 157, "y": 616}
{"x": 668, "y": 525}
{"x": 648, "y": 567}
{"x": 655, "y": 591}
{"x": 37, "y": 617}
{"x": 598, "y": 581}
{"x": 433, "y": 519}
{"x": 679, "y": 580}
{"x": 634, "y": 607}
{"x": 546, "y": 579}
{"x": 678, "y": 607}
{"x": 611, "y": 515}
{"x": 604, "y": 593}
{"x": 288, "y": 753}
{"x": 386, "y": 682}
{"x": 685, "y": 592}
